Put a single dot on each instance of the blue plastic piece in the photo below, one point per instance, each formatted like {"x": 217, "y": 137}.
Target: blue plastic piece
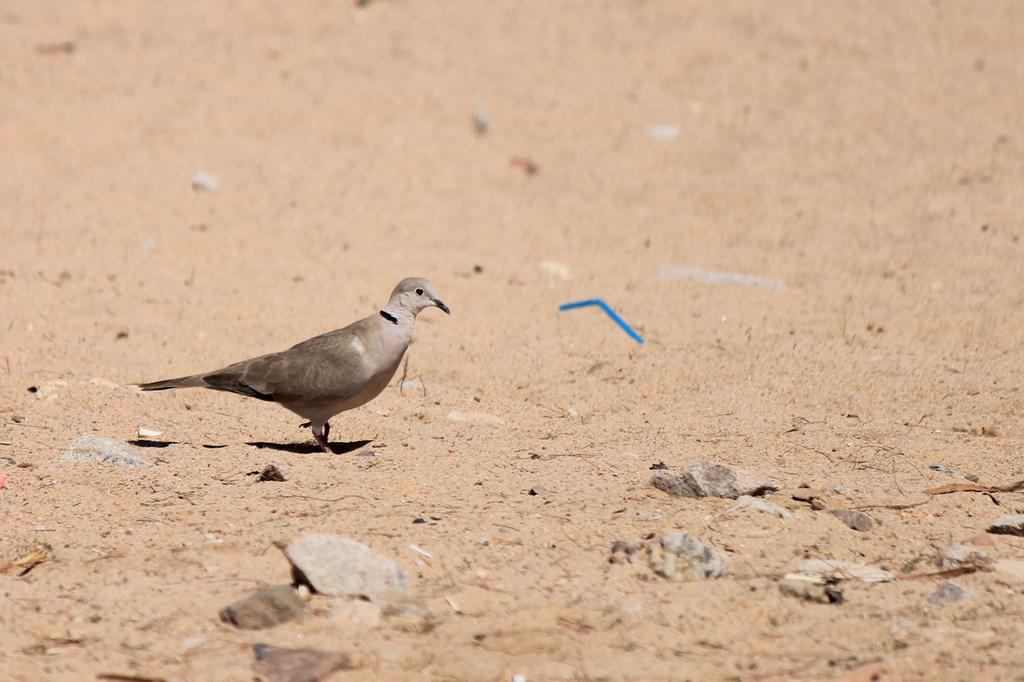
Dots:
{"x": 608, "y": 309}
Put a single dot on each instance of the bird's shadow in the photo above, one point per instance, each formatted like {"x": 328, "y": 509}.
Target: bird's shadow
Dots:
{"x": 338, "y": 448}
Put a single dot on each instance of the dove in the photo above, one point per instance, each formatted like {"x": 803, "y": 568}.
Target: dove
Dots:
{"x": 326, "y": 375}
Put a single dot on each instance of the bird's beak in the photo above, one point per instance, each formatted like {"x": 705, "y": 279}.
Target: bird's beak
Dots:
{"x": 440, "y": 304}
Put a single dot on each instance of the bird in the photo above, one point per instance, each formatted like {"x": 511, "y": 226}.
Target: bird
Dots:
{"x": 328, "y": 374}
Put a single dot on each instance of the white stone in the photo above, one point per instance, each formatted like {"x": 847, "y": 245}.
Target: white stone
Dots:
{"x": 337, "y": 566}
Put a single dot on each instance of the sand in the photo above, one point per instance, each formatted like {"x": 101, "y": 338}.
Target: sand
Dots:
{"x": 866, "y": 156}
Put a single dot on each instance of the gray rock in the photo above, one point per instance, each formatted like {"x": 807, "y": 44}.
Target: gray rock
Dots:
{"x": 1011, "y": 524}
{"x": 757, "y": 504}
{"x": 810, "y": 590}
{"x": 949, "y": 592}
{"x": 853, "y": 518}
{"x": 706, "y": 479}
{"x": 337, "y": 566}
{"x": 264, "y": 609}
{"x": 279, "y": 664}
{"x": 679, "y": 552}
{"x": 957, "y": 556}
{"x": 91, "y": 448}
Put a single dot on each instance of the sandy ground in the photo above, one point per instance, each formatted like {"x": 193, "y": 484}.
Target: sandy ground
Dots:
{"x": 868, "y": 155}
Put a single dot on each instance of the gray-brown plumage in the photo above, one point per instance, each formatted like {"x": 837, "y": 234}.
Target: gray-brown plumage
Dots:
{"x": 331, "y": 373}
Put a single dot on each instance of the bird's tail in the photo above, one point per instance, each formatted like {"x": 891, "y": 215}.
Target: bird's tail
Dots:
{"x": 194, "y": 381}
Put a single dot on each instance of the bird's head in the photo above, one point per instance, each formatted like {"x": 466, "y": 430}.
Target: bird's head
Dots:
{"x": 414, "y": 294}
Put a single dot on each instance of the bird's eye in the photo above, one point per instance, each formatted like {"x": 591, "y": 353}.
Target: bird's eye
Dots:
{"x": 419, "y": 292}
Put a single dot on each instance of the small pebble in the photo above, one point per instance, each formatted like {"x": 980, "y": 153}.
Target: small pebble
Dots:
{"x": 853, "y": 518}
{"x": 274, "y": 471}
{"x": 756, "y": 503}
{"x": 292, "y": 665}
{"x": 680, "y": 551}
{"x": 663, "y": 132}
{"x": 957, "y": 555}
{"x": 481, "y": 119}
{"x": 192, "y": 642}
{"x": 264, "y": 609}
{"x": 556, "y": 269}
{"x": 810, "y": 590}
{"x": 204, "y": 182}
{"x": 948, "y": 592}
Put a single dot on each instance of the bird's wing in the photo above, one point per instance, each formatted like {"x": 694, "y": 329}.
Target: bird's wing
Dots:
{"x": 332, "y": 366}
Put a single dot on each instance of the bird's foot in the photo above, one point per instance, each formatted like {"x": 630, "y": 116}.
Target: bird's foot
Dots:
{"x": 321, "y": 438}
{"x": 322, "y": 442}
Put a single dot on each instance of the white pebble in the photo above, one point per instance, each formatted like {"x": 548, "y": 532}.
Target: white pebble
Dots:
{"x": 663, "y": 132}
{"x": 192, "y": 642}
{"x": 556, "y": 269}
{"x": 204, "y": 182}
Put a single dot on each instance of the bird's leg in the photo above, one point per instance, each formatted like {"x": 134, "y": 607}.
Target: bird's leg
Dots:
{"x": 327, "y": 430}
{"x": 320, "y": 434}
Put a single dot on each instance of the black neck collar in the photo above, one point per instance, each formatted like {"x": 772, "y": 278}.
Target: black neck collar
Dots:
{"x": 389, "y": 317}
